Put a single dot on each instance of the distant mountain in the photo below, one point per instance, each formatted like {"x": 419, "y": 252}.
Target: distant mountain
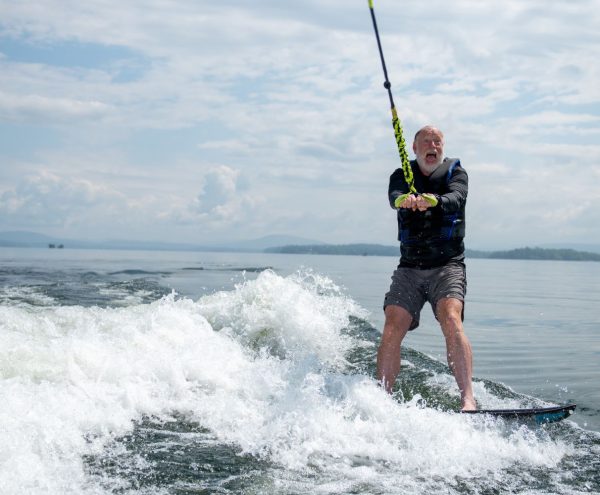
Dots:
{"x": 267, "y": 242}
{"x": 27, "y": 239}
{"x": 33, "y": 239}
{"x": 282, "y": 244}
{"x": 252, "y": 245}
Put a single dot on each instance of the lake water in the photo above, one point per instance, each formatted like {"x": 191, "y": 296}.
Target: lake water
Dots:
{"x": 179, "y": 372}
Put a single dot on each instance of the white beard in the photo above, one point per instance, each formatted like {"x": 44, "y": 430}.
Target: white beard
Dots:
{"x": 426, "y": 168}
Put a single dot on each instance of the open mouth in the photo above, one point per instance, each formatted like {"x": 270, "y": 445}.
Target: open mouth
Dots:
{"x": 431, "y": 155}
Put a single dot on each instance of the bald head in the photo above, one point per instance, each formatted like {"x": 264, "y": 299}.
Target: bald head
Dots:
{"x": 429, "y": 129}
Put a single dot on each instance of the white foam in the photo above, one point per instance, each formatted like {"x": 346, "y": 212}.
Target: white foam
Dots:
{"x": 260, "y": 366}
{"x": 295, "y": 316}
{"x": 22, "y": 296}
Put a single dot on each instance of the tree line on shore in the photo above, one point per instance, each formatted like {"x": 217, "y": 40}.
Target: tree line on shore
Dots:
{"x": 525, "y": 253}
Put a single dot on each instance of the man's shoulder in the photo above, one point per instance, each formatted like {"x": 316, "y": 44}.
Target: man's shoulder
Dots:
{"x": 453, "y": 167}
{"x": 452, "y": 162}
{"x": 398, "y": 173}
{"x": 413, "y": 164}
{"x": 446, "y": 170}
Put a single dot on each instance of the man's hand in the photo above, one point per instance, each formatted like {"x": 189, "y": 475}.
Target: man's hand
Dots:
{"x": 420, "y": 202}
{"x": 432, "y": 199}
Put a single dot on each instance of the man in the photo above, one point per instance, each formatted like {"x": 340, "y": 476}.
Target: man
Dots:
{"x": 431, "y": 226}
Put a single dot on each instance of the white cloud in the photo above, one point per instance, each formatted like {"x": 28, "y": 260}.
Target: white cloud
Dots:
{"x": 222, "y": 202}
{"x": 41, "y": 108}
{"x": 211, "y": 116}
{"x": 46, "y": 199}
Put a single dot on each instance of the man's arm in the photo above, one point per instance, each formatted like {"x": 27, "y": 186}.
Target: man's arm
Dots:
{"x": 397, "y": 187}
{"x": 458, "y": 188}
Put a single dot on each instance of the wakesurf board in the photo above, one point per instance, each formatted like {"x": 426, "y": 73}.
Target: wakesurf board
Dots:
{"x": 541, "y": 415}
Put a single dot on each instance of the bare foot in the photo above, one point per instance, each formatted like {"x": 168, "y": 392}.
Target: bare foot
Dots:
{"x": 469, "y": 405}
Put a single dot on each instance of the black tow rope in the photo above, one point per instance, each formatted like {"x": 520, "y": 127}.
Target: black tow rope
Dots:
{"x": 406, "y": 168}
{"x": 408, "y": 175}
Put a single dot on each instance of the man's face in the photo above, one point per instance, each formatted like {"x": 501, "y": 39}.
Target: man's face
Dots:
{"x": 429, "y": 150}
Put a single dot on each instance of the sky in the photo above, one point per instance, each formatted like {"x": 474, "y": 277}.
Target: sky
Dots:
{"x": 197, "y": 121}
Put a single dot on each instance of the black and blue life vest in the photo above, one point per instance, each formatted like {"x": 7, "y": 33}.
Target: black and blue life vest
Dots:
{"x": 433, "y": 237}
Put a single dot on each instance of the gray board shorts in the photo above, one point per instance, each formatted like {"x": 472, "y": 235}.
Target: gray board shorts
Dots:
{"x": 412, "y": 287}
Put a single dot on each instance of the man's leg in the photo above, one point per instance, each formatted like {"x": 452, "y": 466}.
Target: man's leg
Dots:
{"x": 397, "y": 323}
{"x": 458, "y": 348}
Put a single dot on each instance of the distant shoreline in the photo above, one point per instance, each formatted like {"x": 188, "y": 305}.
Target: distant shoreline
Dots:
{"x": 526, "y": 253}
{"x": 284, "y": 244}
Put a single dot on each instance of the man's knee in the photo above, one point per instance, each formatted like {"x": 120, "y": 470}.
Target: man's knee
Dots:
{"x": 449, "y": 313}
{"x": 449, "y": 307}
{"x": 397, "y": 318}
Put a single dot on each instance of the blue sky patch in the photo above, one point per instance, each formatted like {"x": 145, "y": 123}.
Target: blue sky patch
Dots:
{"x": 126, "y": 64}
